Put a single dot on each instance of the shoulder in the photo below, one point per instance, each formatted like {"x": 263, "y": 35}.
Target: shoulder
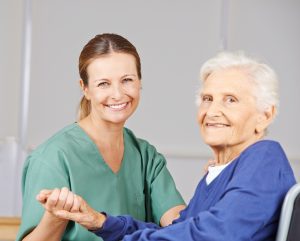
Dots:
{"x": 53, "y": 147}
{"x": 265, "y": 161}
{"x": 150, "y": 156}
{"x": 265, "y": 146}
{"x": 142, "y": 144}
{"x": 59, "y": 140}
{"x": 265, "y": 151}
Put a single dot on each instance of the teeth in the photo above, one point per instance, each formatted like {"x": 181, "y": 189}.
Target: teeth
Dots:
{"x": 117, "y": 107}
{"x": 217, "y": 125}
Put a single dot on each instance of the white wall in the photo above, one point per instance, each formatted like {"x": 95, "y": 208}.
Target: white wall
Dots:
{"x": 167, "y": 36}
{"x": 173, "y": 38}
{"x": 10, "y": 52}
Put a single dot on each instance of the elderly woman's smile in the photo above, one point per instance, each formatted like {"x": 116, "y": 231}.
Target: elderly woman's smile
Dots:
{"x": 217, "y": 125}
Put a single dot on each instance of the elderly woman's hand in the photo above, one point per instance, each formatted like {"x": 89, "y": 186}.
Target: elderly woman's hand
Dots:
{"x": 208, "y": 164}
{"x": 64, "y": 204}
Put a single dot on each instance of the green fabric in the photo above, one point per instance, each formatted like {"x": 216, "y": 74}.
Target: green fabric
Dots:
{"x": 143, "y": 187}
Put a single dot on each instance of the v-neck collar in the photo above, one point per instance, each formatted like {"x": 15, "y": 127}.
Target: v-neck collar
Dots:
{"x": 98, "y": 153}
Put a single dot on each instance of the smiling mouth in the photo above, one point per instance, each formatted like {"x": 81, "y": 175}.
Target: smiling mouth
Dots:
{"x": 217, "y": 125}
{"x": 118, "y": 106}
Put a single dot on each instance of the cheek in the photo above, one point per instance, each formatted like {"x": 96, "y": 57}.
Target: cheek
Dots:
{"x": 200, "y": 116}
{"x": 98, "y": 97}
{"x": 134, "y": 92}
{"x": 245, "y": 123}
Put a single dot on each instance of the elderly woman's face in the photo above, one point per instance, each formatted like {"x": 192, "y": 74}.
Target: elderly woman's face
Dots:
{"x": 228, "y": 114}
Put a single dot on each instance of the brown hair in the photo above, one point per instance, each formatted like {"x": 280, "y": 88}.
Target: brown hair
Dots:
{"x": 102, "y": 44}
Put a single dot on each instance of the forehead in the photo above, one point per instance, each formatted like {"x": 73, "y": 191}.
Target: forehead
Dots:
{"x": 228, "y": 80}
{"x": 113, "y": 63}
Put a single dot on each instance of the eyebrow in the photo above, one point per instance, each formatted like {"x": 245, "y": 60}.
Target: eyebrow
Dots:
{"x": 128, "y": 75}
{"x": 123, "y": 76}
{"x": 103, "y": 79}
{"x": 236, "y": 95}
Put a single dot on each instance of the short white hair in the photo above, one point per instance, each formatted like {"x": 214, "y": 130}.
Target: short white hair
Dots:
{"x": 264, "y": 77}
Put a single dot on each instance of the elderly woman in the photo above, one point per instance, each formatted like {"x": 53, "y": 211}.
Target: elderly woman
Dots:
{"x": 241, "y": 195}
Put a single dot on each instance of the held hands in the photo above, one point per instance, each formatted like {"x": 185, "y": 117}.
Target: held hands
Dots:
{"x": 64, "y": 204}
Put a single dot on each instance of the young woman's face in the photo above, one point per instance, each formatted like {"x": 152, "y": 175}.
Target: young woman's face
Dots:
{"x": 113, "y": 87}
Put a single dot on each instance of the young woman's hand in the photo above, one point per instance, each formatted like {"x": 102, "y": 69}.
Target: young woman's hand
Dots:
{"x": 208, "y": 164}
{"x": 64, "y": 204}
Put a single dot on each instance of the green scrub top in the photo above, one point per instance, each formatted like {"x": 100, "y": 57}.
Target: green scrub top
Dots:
{"x": 143, "y": 187}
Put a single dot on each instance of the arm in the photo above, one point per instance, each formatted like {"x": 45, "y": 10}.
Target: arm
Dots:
{"x": 163, "y": 200}
{"x": 224, "y": 221}
{"x": 38, "y": 224}
{"x": 51, "y": 227}
{"x": 65, "y": 205}
{"x": 247, "y": 210}
{"x": 171, "y": 215}
{"x": 235, "y": 217}
{"x": 174, "y": 212}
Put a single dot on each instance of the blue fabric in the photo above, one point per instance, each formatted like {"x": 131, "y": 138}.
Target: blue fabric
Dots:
{"x": 242, "y": 203}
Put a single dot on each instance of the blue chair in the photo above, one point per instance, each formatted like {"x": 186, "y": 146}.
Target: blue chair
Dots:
{"x": 289, "y": 223}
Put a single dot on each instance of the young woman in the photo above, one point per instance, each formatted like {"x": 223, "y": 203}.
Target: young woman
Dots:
{"x": 97, "y": 157}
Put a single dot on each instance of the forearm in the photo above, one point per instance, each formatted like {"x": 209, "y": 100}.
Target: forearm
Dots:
{"x": 171, "y": 215}
{"x": 115, "y": 228}
{"x": 50, "y": 228}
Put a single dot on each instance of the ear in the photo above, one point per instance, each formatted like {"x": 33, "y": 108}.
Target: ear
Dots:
{"x": 265, "y": 119}
{"x": 84, "y": 89}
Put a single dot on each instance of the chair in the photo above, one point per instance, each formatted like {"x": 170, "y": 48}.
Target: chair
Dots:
{"x": 8, "y": 228}
{"x": 289, "y": 223}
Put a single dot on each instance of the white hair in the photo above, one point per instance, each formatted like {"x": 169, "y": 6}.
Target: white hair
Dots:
{"x": 263, "y": 76}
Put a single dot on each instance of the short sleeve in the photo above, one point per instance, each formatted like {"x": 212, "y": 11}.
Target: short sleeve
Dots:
{"x": 41, "y": 171}
{"x": 161, "y": 189}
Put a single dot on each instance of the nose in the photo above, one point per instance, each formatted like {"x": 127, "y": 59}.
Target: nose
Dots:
{"x": 117, "y": 92}
{"x": 214, "y": 109}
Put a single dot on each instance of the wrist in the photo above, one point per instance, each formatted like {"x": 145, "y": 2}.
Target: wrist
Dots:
{"x": 100, "y": 219}
{"x": 54, "y": 219}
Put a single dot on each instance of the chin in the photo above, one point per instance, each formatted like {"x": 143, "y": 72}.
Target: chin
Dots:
{"x": 118, "y": 119}
{"x": 215, "y": 143}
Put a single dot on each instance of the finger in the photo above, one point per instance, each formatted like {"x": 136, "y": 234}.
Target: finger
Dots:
{"x": 76, "y": 204}
{"x": 53, "y": 199}
{"x": 76, "y": 217}
{"x": 208, "y": 164}
{"x": 83, "y": 205}
{"x": 63, "y": 195}
{"x": 69, "y": 201}
{"x": 46, "y": 191}
{"x": 211, "y": 162}
{"x": 43, "y": 196}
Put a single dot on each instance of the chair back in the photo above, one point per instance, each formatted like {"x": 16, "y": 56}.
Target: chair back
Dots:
{"x": 289, "y": 223}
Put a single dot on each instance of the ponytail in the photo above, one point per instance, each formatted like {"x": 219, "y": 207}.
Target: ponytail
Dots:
{"x": 84, "y": 108}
